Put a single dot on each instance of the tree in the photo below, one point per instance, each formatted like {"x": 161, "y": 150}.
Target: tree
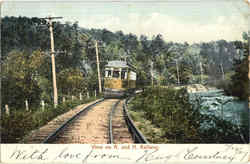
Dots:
{"x": 22, "y": 33}
{"x": 71, "y": 82}
{"x": 240, "y": 80}
{"x": 19, "y": 79}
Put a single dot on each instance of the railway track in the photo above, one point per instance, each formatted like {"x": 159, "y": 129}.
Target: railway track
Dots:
{"x": 137, "y": 136}
{"x": 101, "y": 122}
{"x": 118, "y": 129}
{"x": 90, "y": 127}
{"x": 40, "y": 135}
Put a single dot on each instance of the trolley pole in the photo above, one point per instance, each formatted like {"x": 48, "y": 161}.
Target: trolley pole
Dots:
{"x": 98, "y": 67}
{"x": 53, "y": 58}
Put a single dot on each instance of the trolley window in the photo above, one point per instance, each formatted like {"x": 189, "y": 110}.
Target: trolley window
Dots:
{"x": 116, "y": 74}
{"x": 123, "y": 75}
{"x": 108, "y": 73}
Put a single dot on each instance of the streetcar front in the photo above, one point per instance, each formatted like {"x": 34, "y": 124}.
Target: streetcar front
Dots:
{"x": 119, "y": 79}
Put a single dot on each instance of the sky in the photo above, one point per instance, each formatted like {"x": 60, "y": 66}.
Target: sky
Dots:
{"x": 189, "y": 21}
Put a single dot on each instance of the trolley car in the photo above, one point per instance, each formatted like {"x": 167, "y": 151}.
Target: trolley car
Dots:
{"x": 120, "y": 79}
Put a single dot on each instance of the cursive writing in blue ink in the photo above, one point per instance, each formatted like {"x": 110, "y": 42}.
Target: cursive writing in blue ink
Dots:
{"x": 33, "y": 155}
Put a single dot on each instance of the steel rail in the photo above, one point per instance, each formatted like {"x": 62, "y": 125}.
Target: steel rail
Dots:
{"x": 135, "y": 132}
{"x": 110, "y": 133}
{"x": 53, "y": 135}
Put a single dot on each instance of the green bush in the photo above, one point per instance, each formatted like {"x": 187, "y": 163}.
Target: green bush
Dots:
{"x": 222, "y": 132}
{"x": 15, "y": 126}
{"x": 169, "y": 110}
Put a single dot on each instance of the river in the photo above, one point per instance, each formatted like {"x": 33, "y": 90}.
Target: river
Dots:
{"x": 215, "y": 102}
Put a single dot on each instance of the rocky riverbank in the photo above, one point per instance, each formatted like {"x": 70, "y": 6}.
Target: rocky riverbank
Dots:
{"x": 193, "y": 88}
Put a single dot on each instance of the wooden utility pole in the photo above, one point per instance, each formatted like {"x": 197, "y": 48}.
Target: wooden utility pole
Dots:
{"x": 178, "y": 75}
{"x": 27, "y": 105}
{"x": 53, "y": 58}
{"x": 222, "y": 71}
{"x": 201, "y": 71}
{"x": 152, "y": 74}
{"x": 98, "y": 67}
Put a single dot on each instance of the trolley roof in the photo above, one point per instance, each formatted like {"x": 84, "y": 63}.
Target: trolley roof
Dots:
{"x": 117, "y": 64}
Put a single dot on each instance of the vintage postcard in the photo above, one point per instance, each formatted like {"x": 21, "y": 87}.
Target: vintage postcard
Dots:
{"x": 118, "y": 81}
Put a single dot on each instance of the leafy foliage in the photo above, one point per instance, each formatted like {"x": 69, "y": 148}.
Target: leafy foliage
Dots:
{"x": 178, "y": 121}
{"x": 240, "y": 81}
{"x": 169, "y": 110}
{"x": 71, "y": 82}
{"x": 19, "y": 78}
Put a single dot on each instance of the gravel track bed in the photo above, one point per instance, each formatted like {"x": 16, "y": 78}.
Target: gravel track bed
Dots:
{"x": 89, "y": 128}
{"x": 121, "y": 134}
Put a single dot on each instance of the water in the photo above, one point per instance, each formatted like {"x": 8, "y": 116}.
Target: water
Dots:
{"x": 216, "y": 103}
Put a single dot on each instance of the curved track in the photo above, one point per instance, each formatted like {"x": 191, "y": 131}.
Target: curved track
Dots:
{"x": 41, "y": 135}
{"x": 135, "y": 132}
{"x": 100, "y": 122}
{"x": 90, "y": 127}
{"x": 118, "y": 129}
